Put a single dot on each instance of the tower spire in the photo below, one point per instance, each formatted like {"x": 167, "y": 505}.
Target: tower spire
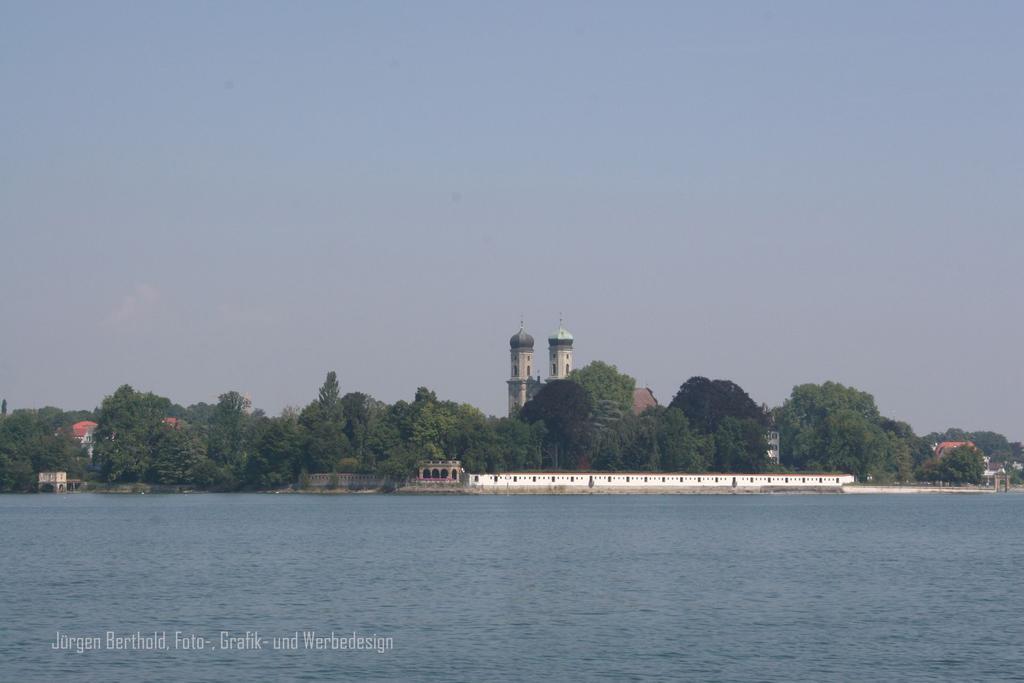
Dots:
{"x": 520, "y": 386}
{"x": 560, "y": 351}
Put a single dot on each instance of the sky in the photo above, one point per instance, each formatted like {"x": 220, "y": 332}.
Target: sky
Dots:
{"x": 204, "y": 197}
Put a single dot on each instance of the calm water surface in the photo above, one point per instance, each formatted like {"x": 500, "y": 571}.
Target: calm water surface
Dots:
{"x": 475, "y": 588}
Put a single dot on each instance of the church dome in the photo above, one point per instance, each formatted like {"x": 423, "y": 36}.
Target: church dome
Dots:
{"x": 560, "y": 337}
{"x": 521, "y": 340}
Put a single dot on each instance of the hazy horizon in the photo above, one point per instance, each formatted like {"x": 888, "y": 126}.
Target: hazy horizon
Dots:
{"x": 197, "y": 198}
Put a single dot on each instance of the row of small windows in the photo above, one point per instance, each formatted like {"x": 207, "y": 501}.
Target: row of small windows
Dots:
{"x": 515, "y": 370}
{"x": 515, "y": 478}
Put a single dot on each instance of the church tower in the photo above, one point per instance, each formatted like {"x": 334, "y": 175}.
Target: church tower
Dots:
{"x": 521, "y": 386}
{"x": 559, "y": 353}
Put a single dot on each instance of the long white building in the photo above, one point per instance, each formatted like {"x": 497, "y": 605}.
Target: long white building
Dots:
{"x": 653, "y": 482}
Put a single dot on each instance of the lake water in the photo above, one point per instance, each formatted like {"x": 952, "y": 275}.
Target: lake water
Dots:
{"x": 480, "y": 588}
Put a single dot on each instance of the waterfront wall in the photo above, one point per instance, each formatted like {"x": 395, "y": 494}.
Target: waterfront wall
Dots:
{"x": 918, "y": 489}
{"x": 342, "y": 480}
{"x": 594, "y": 482}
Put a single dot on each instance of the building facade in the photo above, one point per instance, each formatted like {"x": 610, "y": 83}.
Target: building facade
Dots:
{"x": 654, "y": 482}
{"x": 773, "y": 446}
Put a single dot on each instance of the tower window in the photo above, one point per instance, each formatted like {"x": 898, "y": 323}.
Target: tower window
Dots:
{"x": 554, "y": 369}
{"x": 567, "y": 368}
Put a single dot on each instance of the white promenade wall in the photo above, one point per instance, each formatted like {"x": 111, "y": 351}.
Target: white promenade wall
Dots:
{"x": 582, "y": 482}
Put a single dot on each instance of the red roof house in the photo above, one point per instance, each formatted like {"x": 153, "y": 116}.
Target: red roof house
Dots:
{"x": 81, "y": 430}
{"x": 642, "y": 400}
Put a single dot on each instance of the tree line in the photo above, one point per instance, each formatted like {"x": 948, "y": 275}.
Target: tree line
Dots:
{"x": 583, "y": 422}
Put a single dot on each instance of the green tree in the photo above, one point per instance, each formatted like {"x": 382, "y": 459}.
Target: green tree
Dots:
{"x": 29, "y": 444}
{"x": 424, "y": 395}
{"x": 330, "y": 397}
{"x": 682, "y": 449}
{"x": 517, "y": 446}
{"x": 740, "y": 445}
{"x": 199, "y": 414}
{"x": 607, "y": 451}
{"x": 993, "y": 444}
{"x": 901, "y": 456}
{"x": 228, "y": 431}
{"x": 128, "y": 421}
{"x": 963, "y": 465}
{"x": 707, "y": 402}
{"x": 361, "y": 411}
{"x": 834, "y": 427}
{"x": 384, "y": 435}
{"x": 3, "y": 408}
{"x": 471, "y": 437}
{"x": 604, "y": 382}
{"x": 951, "y": 434}
{"x": 564, "y": 408}
{"x": 127, "y": 410}
{"x": 16, "y": 473}
{"x": 324, "y": 423}
{"x": 400, "y": 463}
{"x": 638, "y": 443}
{"x": 326, "y": 443}
{"x": 851, "y": 443}
{"x": 432, "y": 427}
{"x": 277, "y": 454}
{"x": 177, "y": 455}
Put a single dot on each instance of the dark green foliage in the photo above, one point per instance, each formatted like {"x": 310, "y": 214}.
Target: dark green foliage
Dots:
{"x": 680, "y": 448}
{"x": 134, "y": 444}
{"x": 128, "y": 423}
{"x": 323, "y": 423}
{"x": 707, "y": 402}
{"x": 579, "y": 424}
{"x": 732, "y": 424}
{"x": 16, "y": 473}
{"x": 992, "y": 444}
{"x": 518, "y": 445}
{"x": 962, "y": 465}
{"x": 740, "y": 446}
{"x": 472, "y": 437}
{"x": 951, "y": 434}
{"x": 325, "y": 442}
{"x": 127, "y": 411}
{"x": 228, "y": 430}
{"x": 199, "y": 414}
{"x": 30, "y": 444}
{"x": 836, "y": 428}
{"x": 277, "y": 454}
{"x": 330, "y": 393}
{"x": 177, "y": 456}
{"x": 565, "y": 410}
{"x": 361, "y": 412}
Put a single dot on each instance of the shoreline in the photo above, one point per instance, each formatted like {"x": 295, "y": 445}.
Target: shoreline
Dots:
{"x": 848, "y": 489}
